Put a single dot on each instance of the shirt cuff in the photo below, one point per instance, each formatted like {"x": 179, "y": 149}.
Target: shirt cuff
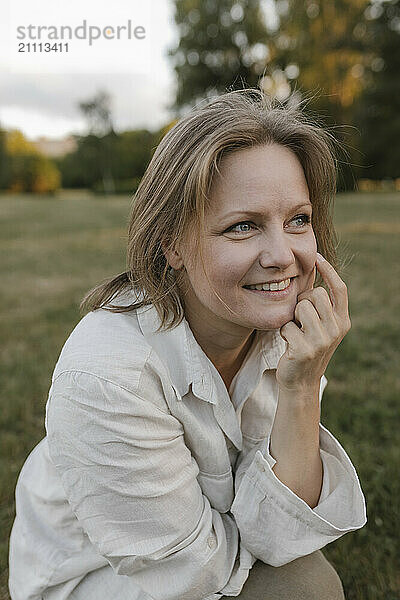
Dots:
{"x": 277, "y": 526}
{"x": 341, "y": 501}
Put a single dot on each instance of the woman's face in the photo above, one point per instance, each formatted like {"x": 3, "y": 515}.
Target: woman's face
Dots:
{"x": 257, "y": 231}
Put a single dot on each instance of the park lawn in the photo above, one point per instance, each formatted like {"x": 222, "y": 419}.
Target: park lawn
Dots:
{"x": 54, "y": 249}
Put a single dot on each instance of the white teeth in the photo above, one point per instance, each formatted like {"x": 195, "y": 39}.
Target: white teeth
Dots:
{"x": 273, "y": 287}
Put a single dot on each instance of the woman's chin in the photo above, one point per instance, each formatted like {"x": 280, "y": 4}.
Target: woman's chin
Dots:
{"x": 274, "y": 321}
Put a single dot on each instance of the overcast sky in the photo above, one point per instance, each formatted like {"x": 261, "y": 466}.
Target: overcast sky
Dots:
{"x": 39, "y": 91}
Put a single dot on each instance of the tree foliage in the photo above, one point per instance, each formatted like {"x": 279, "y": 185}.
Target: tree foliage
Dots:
{"x": 323, "y": 50}
{"x": 330, "y": 52}
{"x": 222, "y": 45}
{"x": 131, "y": 153}
{"x": 97, "y": 110}
{"x": 100, "y": 143}
{"x": 3, "y": 160}
{"x": 322, "y": 46}
{"x": 378, "y": 113}
{"x": 317, "y": 48}
{"x": 23, "y": 168}
{"x": 350, "y": 51}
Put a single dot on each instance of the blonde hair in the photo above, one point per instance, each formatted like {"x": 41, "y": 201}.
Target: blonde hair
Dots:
{"x": 174, "y": 192}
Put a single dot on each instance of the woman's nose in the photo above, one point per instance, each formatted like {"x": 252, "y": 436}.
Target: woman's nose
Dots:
{"x": 276, "y": 252}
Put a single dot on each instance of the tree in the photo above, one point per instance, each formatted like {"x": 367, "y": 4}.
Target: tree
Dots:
{"x": 323, "y": 51}
{"x": 33, "y": 173}
{"x": 27, "y": 169}
{"x": 222, "y": 45}
{"x": 4, "y": 159}
{"x": 322, "y": 45}
{"x": 132, "y": 151}
{"x": 97, "y": 111}
{"x": 378, "y": 114}
{"x": 82, "y": 168}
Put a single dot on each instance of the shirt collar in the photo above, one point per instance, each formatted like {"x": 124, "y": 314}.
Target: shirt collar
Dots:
{"x": 188, "y": 365}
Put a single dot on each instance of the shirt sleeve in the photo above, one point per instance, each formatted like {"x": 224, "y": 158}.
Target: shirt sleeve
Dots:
{"x": 277, "y": 526}
{"x": 131, "y": 482}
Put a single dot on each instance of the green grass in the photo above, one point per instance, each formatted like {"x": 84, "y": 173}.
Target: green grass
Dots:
{"x": 54, "y": 249}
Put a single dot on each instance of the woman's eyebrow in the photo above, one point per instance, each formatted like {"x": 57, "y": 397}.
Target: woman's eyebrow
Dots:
{"x": 258, "y": 213}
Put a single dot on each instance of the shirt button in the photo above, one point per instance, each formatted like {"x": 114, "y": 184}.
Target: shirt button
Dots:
{"x": 212, "y": 542}
{"x": 261, "y": 466}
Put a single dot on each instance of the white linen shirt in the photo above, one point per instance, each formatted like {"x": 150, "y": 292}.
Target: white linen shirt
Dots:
{"x": 149, "y": 465}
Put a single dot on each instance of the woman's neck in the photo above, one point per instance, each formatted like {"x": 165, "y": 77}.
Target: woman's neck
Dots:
{"x": 227, "y": 353}
{"x": 229, "y": 371}
{"x": 224, "y": 342}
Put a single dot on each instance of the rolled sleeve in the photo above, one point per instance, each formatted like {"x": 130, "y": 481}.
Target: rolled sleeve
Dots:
{"x": 131, "y": 482}
{"x": 276, "y": 525}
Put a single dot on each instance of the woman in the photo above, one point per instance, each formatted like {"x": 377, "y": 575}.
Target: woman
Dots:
{"x": 184, "y": 457}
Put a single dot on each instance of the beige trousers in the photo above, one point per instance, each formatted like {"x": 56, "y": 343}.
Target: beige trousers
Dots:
{"x": 310, "y": 577}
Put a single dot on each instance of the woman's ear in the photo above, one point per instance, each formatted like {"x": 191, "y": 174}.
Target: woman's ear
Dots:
{"x": 173, "y": 256}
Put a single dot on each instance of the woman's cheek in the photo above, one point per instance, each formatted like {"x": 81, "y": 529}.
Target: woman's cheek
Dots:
{"x": 307, "y": 256}
{"x": 310, "y": 252}
{"x": 226, "y": 276}
{"x": 226, "y": 265}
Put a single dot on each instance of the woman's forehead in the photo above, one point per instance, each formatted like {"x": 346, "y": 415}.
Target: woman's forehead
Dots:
{"x": 258, "y": 174}
{"x": 266, "y": 156}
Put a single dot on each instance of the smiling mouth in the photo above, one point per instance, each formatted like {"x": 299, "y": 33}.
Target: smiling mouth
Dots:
{"x": 270, "y": 287}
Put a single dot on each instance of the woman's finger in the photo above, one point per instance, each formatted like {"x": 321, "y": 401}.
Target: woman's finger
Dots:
{"x": 306, "y": 314}
{"x": 320, "y": 299}
{"x": 311, "y": 279}
{"x": 292, "y": 334}
{"x": 337, "y": 287}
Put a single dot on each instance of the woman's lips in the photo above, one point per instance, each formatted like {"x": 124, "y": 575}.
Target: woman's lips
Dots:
{"x": 274, "y": 294}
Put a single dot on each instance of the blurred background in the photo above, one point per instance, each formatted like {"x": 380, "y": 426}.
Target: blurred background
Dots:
{"x": 91, "y": 121}
{"x": 77, "y": 130}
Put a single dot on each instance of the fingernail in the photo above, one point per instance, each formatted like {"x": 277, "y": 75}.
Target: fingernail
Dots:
{"x": 320, "y": 256}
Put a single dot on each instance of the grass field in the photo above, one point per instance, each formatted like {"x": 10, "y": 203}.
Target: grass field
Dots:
{"x": 54, "y": 249}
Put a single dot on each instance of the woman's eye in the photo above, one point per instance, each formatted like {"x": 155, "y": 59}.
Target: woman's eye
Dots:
{"x": 301, "y": 220}
{"x": 247, "y": 226}
{"x": 243, "y": 227}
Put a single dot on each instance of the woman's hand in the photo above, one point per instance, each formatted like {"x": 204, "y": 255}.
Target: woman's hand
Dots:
{"x": 323, "y": 322}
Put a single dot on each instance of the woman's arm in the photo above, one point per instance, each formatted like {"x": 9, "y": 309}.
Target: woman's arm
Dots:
{"x": 321, "y": 322}
{"x": 279, "y": 507}
{"x": 132, "y": 483}
{"x": 275, "y": 524}
{"x": 295, "y": 444}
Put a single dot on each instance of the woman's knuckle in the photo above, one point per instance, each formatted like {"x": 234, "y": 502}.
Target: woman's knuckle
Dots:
{"x": 321, "y": 292}
{"x": 305, "y": 304}
{"x": 285, "y": 328}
